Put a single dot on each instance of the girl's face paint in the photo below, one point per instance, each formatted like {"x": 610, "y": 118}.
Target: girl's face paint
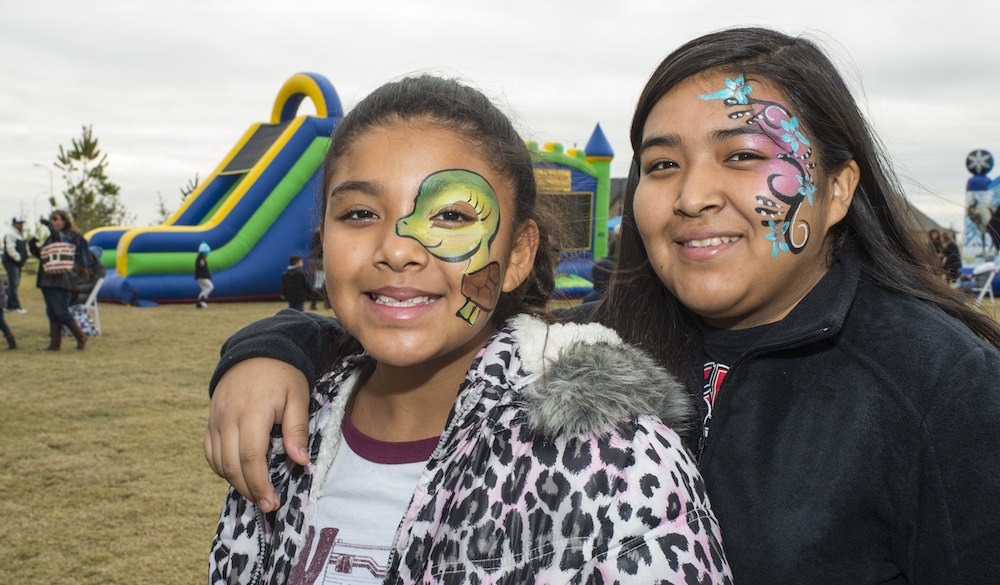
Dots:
{"x": 780, "y": 208}
{"x": 456, "y": 216}
{"x": 414, "y": 235}
{"x": 726, "y": 203}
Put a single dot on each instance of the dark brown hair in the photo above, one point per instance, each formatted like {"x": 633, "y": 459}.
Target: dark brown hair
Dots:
{"x": 66, "y": 217}
{"x": 466, "y": 111}
{"x": 878, "y": 229}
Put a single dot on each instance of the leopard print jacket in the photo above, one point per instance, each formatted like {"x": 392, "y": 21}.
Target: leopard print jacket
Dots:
{"x": 554, "y": 467}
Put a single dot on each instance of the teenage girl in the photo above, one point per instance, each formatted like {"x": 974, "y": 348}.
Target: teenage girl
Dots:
{"x": 849, "y": 400}
{"x": 458, "y": 436}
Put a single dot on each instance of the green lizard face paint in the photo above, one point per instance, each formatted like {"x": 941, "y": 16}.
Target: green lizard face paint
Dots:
{"x": 456, "y": 216}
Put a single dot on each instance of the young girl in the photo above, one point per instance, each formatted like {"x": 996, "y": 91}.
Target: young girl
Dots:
{"x": 849, "y": 401}
{"x": 202, "y": 275}
{"x": 457, "y": 436}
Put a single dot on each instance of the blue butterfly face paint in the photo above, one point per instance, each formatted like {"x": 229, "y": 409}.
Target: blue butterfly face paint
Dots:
{"x": 729, "y": 203}
{"x": 790, "y": 182}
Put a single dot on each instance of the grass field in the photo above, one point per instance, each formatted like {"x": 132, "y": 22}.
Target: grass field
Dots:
{"x": 101, "y": 464}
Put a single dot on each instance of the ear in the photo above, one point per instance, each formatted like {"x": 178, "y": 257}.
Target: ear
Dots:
{"x": 841, "y": 188}
{"x": 522, "y": 257}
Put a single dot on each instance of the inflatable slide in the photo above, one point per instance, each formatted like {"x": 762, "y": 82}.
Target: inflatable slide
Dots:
{"x": 254, "y": 210}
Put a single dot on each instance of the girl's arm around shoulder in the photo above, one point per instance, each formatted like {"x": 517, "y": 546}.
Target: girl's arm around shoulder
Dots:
{"x": 277, "y": 360}
{"x": 302, "y": 340}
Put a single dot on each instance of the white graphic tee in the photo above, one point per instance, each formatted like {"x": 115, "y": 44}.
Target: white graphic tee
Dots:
{"x": 360, "y": 506}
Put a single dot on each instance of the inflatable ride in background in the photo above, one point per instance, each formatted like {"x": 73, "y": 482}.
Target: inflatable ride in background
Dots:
{"x": 982, "y": 211}
{"x": 982, "y": 206}
{"x": 254, "y": 211}
{"x": 257, "y": 208}
{"x": 577, "y": 185}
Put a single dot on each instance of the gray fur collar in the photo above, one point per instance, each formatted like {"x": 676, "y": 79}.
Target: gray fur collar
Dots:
{"x": 589, "y": 379}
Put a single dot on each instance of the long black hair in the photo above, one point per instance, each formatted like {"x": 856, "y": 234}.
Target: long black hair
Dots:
{"x": 878, "y": 229}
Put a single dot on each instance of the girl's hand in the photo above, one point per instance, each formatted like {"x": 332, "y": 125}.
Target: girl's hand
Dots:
{"x": 248, "y": 401}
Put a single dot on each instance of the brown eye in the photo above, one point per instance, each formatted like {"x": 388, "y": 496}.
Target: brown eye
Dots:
{"x": 661, "y": 165}
{"x": 452, "y": 215}
{"x": 745, "y": 156}
{"x": 357, "y": 215}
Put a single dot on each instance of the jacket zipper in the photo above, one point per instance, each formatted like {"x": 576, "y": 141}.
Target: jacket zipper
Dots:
{"x": 760, "y": 348}
{"x": 262, "y": 546}
{"x": 436, "y": 457}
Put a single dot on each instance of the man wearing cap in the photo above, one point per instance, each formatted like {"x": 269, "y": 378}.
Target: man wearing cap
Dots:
{"x": 15, "y": 254}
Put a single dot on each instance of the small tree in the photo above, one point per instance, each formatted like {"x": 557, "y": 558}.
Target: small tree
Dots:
{"x": 188, "y": 189}
{"x": 91, "y": 198}
{"x": 163, "y": 212}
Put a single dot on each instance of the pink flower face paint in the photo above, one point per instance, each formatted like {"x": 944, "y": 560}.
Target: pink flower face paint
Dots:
{"x": 789, "y": 180}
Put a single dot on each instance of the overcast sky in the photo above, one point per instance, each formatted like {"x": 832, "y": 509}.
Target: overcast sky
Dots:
{"x": 170, "y": 86}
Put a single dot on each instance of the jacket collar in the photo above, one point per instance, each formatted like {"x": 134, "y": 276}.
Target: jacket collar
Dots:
{"x": 821, "y": 313}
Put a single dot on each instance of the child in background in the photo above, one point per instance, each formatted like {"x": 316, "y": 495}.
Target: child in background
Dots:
{"x": 458, "y": 436}
{"x": 295, "y": 286}
{"x": 202, "y": 275}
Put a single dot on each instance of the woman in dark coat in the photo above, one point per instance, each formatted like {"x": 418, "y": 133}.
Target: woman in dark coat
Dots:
{"x": 59, "y": 286}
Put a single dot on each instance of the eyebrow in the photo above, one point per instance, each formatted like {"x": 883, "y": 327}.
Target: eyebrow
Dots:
{"x": 743, "y": 130}
{"x": 366, "y": 187}
{"x": 674, "y": 141}
{"x": 664, "y": 141}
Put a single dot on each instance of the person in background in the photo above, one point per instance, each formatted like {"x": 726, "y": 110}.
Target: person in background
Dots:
{"x": 295, "y": 285}
{"x": 15, "y": 254}
{"x": 934, "y": 241}
{"x": 601, "y": 277}
{"x": 85, "y": 284}
{"x": 202, "y": 275}
{"x": 319, "y": 275}
{"x": 7, "y": 333}
{"x": 951, "y": 258}
{"x": 58, "y": 272}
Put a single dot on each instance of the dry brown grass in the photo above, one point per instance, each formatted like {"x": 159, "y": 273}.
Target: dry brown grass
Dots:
{"x": 101, "y": 469}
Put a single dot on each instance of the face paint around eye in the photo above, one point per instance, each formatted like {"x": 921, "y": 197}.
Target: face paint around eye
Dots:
{"x": 458, "y": 188}
{"x": 791, "y": 184}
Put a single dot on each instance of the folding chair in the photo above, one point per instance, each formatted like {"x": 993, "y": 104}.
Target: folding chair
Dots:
{"x": 984, "y": 286}
{"x": 91, "y": 305}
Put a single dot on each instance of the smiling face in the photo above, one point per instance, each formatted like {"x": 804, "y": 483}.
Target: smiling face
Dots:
{"x": 413, "y": 212}
{"x": 727, "y": 203}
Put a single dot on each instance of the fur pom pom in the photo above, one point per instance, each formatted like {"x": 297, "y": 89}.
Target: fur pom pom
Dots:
{"x": 589, "y": 380}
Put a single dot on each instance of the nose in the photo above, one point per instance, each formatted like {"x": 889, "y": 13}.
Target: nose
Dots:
{"x": 399, "y": 253}
{"x": 702, "y": 190}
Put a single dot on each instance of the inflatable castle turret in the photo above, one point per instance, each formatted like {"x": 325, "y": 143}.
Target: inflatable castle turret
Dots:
{"x": 577, "y": 185}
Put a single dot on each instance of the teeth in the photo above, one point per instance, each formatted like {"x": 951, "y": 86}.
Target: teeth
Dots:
{"x": 711, "y": 242}
{"x": 411, "y": 302}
